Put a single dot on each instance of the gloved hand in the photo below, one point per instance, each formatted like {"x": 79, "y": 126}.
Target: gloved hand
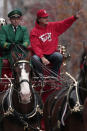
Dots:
{"x": 12, "y": 45}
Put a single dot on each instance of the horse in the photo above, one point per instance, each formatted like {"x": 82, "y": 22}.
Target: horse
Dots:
{"x": 66, "y": 109}
{"x": 21, "y": 106}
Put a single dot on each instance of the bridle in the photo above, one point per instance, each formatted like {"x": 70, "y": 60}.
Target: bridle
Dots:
{"x": 18, "y": 83}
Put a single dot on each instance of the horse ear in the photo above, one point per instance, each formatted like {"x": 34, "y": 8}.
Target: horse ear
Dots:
{"x": 85, "y": 47}
{"x": 29, "y": 55}
{"x": 14, "y": 56}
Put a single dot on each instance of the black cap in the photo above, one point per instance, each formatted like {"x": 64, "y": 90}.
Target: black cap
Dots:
{"x": 15, "y": 13}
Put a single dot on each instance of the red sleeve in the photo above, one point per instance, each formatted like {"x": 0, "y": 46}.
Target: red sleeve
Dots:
{"x": 36, "y": 45}
{"x": 62, "y": 26}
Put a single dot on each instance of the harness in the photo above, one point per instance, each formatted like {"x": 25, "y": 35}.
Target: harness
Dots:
{"x": 67, "y": 107}
{"x": 10, "y": 112}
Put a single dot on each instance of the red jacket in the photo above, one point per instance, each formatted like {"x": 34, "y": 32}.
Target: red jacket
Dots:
{"x": 44, "y": 40}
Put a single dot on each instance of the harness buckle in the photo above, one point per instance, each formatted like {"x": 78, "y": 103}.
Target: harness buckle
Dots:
{"x": 26, "y": 126}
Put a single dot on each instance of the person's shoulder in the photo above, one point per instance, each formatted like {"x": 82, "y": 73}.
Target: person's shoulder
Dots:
{"x": 33, "y": 30}
{"x": 23, "y": 27}
{"x": 50, "y": 24}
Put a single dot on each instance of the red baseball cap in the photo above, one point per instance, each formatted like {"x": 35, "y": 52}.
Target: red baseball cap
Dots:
{"x": 42, "y": 13}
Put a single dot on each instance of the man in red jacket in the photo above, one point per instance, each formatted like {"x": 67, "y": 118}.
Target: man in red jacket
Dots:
{"x": 44, "y": 40}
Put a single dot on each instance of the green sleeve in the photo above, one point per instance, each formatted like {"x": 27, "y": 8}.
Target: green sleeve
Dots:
{"x": 26, "y": 41}
{"x": 3, "y": 39}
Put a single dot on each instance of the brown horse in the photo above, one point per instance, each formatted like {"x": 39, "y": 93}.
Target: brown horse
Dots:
{"x": 66, "y": 110}
{"x": 21, "y": 105}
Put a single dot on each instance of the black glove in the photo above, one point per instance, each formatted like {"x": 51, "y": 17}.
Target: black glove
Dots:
{"x": 12, "y": 46}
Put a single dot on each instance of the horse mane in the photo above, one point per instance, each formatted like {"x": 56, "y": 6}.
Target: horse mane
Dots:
{"x": 82, "y": 73}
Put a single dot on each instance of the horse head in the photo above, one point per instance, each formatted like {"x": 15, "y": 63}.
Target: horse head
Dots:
{"x": 21, "y": 73}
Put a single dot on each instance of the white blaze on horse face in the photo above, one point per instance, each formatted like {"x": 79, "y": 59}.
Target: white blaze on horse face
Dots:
{"x": 25, "y": 88}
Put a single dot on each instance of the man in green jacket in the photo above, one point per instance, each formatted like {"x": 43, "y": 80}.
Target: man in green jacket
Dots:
{"x": 13, "y": 33}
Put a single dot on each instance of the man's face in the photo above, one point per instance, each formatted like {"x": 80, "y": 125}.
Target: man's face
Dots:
{"x": 43, "y": 20}
{"x": 15, "y": 21}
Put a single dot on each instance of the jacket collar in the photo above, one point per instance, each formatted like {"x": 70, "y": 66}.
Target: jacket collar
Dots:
{"x": 13, "y": 26}
{"x": 40, "y": 27}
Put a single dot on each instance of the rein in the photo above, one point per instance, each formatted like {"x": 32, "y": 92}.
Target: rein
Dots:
{"x": 45, "y": 68}
{"x": 50, "y": 71}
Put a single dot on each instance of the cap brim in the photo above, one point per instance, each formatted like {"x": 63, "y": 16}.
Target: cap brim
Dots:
{"x": 15, "y": 17}
{"x": 46, "y": 15}
{"x": 43, "y": 16}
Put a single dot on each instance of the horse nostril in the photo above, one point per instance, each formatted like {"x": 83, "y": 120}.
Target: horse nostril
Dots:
{"x": 25, "y": 98}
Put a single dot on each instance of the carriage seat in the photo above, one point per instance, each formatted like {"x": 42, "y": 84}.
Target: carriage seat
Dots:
{"x": 6, "y": 63}
{"x": 5, "y": 66}
{"x": 4, "y": 60}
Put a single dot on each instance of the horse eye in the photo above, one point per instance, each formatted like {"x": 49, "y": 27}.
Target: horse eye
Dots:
{"x": 20, "y": 66}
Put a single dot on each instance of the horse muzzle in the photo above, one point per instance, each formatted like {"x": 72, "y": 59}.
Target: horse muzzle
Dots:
{"x": 25, "y": 98}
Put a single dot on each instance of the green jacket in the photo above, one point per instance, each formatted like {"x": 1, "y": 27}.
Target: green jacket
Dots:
{"x": 8, "y": 36}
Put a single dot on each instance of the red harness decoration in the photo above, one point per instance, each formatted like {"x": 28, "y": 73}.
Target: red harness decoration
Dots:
{"x": 81, "y": 66}
{"x": 5, "y": 70}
